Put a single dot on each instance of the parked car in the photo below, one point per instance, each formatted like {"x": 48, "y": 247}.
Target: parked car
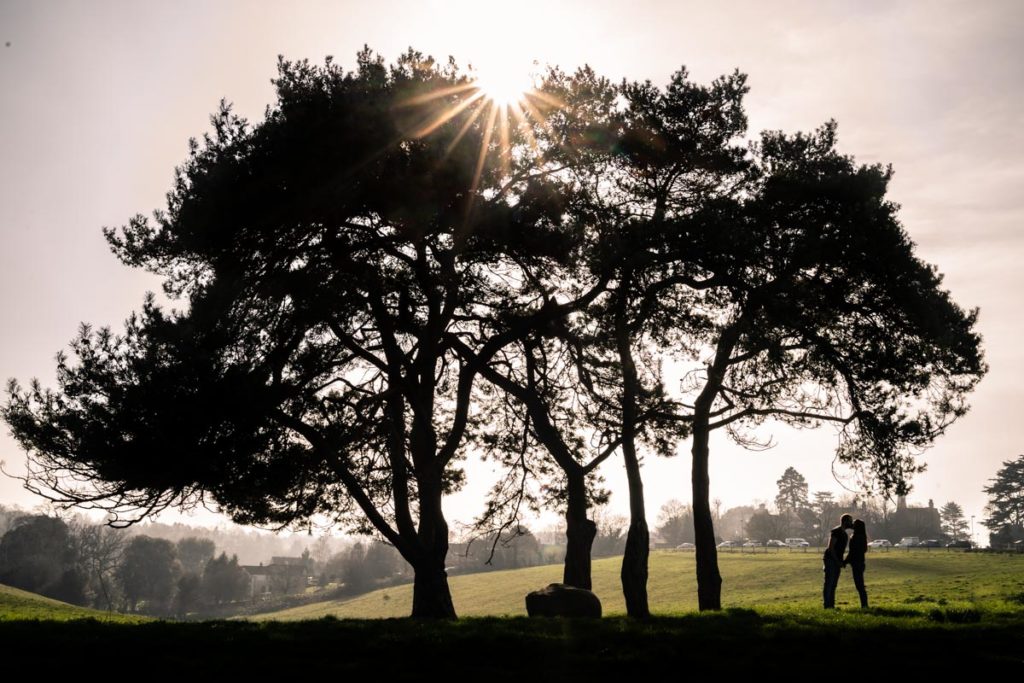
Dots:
{"x": 730, "y": 544}
{"x": 753, "y": 544}
{"x": 879, "y": 543}
{"x": 909, "y": 542}
{"x": 930, "y": 543}
{"x": 960, "y": 544}
{"x": 776, "y": 543}
{"x": 797, "y": 543}
{"x": 685, "y": 546}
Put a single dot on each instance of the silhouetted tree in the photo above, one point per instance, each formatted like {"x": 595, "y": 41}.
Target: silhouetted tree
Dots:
{"x": 953, "y": 523}
{"x": 508, "y": 549}
{"x": 148, "y": 573}
{"x": 609, "y": 532}
{"x": 329, "y": 258}
{"x": 546, "y": 404}
{"x": 99, "y": 549}
{"x": 814, "y": 310}
{"x": 363, "y": 565}
{"x": 333, "y": 568}
{"x": 733, "y": 522}
{"x": 824, "y": 506}
{"x": 321, "y": 551}
{"x": 8, "y": 516}
{"x": 764, "y": 526}
{"x": 1005, "y": 508}
{"x": 193, "y": 553}
{"x": 188, "y": 594}
{"x": 668, "y": 143}
{"x": 356, "y": 573}
{"x": 792, "y": 494}
{"x": 37, "y": 554}
{"x": 876, "y": 512}
{"x": 1006, "y": 536}
{"x": 383, "y": 561}
{"x": 675, "y": 523}
{"x": 224, "y": 581}
{"x": 594, "y": 372}
{"x": 542, "y": 434}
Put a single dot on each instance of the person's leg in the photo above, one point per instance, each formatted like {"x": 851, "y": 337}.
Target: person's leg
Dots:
{"x": 831, "y": 581}
{"x": 858, "y": 581}
{"x": 834, "y": 584}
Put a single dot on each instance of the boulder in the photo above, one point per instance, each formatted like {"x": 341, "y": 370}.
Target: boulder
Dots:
{"x": 559, "y": 600}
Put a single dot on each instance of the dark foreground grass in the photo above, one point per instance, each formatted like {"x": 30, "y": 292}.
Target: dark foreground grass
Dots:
{"x": 795, "y": 642}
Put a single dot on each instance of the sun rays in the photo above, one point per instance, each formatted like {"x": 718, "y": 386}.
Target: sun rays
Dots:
{"x": 505, "y": 106}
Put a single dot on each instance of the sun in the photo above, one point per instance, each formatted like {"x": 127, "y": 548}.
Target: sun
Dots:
{"x": 502, "y": 98}
{"x": 503, "y": 83}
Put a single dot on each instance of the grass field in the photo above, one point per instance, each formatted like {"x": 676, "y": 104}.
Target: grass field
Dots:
{"x": 16, "y": 604}
{"x": 896, "y": 579}
{"x": 934, "y": 614}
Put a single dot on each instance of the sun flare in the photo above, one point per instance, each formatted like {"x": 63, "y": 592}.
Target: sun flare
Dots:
{"x": 503, "y": 84}
{"x": 502, "y": 99}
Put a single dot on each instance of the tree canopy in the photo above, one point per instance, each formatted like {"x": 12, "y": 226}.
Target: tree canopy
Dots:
{"x": 149, "y": 572}
{"x": 792, "y": 494}
{"x": 954, "y": 524}
{"x": 329, "y": 257}
{"x": 38, "y": 554}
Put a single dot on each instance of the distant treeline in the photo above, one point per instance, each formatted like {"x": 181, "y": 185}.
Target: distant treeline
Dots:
{"x": 179, "y": 571}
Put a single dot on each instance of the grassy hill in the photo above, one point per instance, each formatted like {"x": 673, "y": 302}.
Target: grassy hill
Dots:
{"x": 895, "y": 579}
{"x": 16, "y": 604}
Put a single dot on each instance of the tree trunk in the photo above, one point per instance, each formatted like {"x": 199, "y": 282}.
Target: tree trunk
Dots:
{"x": 638, "y": 539}
{"x": 638, "y": 542}
{"x": 634, "y": 569}
{"x": 106, "y": 593}
{"x": 580, "y": 532}
{"x": 431, "y": 597}
{"x": 709, "y": 580}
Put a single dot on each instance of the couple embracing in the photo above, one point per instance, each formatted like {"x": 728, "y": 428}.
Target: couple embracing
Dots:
{"x": 834, "y": 561}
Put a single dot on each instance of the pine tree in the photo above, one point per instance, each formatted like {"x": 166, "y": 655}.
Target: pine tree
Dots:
{"x": 953, "y": 523}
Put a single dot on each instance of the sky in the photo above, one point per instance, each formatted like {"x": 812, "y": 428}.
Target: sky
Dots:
{"x": 98, "y": 101}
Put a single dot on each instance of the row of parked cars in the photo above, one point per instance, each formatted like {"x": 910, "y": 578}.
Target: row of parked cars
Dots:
{"x": 774, "y": 543}
{"x": 915, "y": 542}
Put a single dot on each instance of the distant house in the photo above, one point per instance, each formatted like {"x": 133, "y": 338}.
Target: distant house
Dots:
{"x": 282, "y": 576}
{"x": 914, "y": 520}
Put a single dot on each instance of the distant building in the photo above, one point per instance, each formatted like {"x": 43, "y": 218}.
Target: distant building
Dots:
{"x": 282, "y": 576}
{"x": 913, "y": 520}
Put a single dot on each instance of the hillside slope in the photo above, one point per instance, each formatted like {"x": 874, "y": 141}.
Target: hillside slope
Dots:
{"x": 16, "y": 604}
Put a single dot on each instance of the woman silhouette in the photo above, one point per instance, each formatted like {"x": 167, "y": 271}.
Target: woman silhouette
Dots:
{"x": 855, "y": 558}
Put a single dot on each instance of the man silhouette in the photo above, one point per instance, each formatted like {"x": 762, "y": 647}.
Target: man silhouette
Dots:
{"x": 833, "y": 559}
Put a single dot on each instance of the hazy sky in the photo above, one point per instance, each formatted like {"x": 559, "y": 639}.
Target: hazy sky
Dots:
{"x": 98, "y": 100}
